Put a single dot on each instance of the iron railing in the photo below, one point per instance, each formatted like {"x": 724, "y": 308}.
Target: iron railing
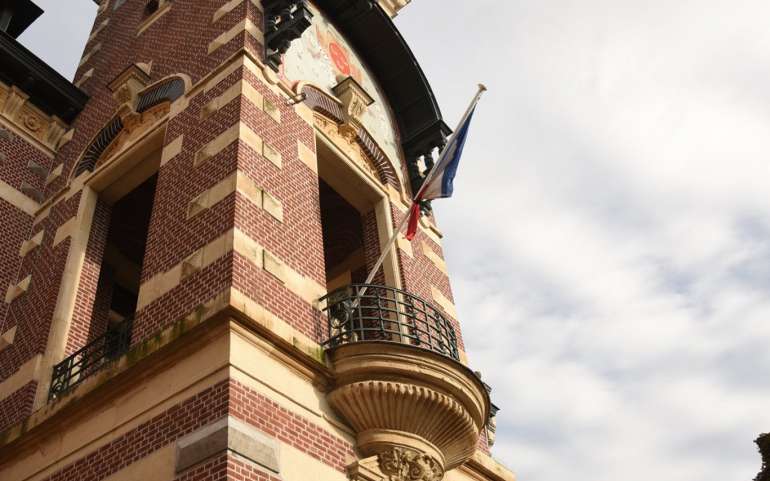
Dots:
{"x": 389, "y": 315}
{"x": 89, "y": 359}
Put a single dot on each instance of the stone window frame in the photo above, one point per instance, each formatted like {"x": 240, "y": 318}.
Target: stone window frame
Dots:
{"x": 110, "y": 181}
{"x": 342, "y": 169}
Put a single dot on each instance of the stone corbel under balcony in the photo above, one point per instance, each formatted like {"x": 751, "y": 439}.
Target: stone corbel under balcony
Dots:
{"x": 413, "y": 411}
{"x": 416, "y": 410}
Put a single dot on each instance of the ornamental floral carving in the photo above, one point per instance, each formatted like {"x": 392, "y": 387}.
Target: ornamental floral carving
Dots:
{"x": 347, "y": 145}
{"x": 400, "y": 464}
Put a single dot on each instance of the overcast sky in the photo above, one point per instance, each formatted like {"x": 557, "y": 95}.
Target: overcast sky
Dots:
{"x": 609, "y": 240}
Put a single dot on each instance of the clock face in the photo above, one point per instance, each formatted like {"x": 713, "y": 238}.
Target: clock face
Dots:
{"x": 323, "y": 58}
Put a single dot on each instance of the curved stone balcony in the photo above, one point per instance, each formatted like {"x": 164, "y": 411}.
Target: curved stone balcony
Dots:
{"x": 416, "y": 410}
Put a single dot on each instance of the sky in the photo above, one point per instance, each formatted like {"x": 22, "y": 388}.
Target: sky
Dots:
{"x": 609, "y": 237}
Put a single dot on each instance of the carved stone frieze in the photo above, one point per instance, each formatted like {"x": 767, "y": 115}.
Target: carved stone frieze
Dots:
{"x": 349, "y": 146}
{"x": 135, "y": 125}
{"x": 36, "y": 126}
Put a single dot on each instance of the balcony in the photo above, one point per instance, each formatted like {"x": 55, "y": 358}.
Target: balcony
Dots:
{"x": 388, "y": 315}
{"x": 416, "y": 409}
{"x": 90, "y": 359}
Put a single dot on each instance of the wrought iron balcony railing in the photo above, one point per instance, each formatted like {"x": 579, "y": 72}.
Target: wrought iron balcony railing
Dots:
{"x": 388, "y": 315}
{"x": 88, "y": 360}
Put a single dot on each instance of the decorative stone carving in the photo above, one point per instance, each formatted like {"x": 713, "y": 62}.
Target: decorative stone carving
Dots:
{"x": 126, "y": 87}
{"x": 351, "y": 148}
{"x": 135, "y": 125}
{"x": 331, "y": 109}
{"x": 34, "y": 125}
{"x": 419, "y": 412}
{"x": 396, "y": 464}
{"x": 405, "y": 465}
{"x": 140, "y": 110}
{"x": 355, "y": 100}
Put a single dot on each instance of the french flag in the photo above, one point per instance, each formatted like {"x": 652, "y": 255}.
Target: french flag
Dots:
{"x": 439, "y": 183}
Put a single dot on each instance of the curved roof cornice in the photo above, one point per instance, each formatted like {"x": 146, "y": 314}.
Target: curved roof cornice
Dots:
{"x": 377, "y": 40}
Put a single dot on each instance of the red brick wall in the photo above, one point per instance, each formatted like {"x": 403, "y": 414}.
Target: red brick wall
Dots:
{"x": 290, "y": 428}
{"x": 178, "y": 43}
{"x": 32, "y": 312}
{"x": 18, "y": 230}
{"x": 212, "y": 404}
{"x": 80, "y": 327}
{"x": 16, "y": 407}
{"x": 298, "y": 240}
{"x": 227, "y": 467}
{"x": 14, "y": 171}
{"x": 182, "y": 419}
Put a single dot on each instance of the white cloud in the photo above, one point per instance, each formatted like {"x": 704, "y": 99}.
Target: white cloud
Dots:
{"x": 610, "y": 235}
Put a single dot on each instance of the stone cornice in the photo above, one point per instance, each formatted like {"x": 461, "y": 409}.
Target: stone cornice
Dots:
{"x": 46, "y": 88}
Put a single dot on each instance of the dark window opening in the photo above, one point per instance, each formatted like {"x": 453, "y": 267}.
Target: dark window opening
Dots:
{"x": 343, "y": 239}
{"x": 124, "y": 228}
{"x": 152, "y": 6}
{"x": 120, "y": 275}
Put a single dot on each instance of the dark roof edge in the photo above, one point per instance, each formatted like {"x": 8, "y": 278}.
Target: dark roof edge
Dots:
{"x": 47, "y": 89}
{"x": 371, "y": 31}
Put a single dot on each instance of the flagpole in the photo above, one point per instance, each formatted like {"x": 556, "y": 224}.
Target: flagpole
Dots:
{"x": 389, "y": 245}
{"x": 432, "y": 173}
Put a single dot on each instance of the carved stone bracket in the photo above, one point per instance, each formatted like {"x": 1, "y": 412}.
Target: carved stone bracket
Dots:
{"x": 355, "y": 101}
{"x": 397, "y": 464}
{"x": 405, "y": 465}
{"x": 417, "y": 413}
{"x": 126, "y": 87}
{"x": 285, "y": 21}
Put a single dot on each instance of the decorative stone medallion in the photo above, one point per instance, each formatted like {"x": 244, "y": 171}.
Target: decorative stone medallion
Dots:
{"x": 405, "y": 465}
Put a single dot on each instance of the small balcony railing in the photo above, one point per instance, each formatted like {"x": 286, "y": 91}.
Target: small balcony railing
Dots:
{"x": 388, "y": 315}
{"x": 91, "y": 358}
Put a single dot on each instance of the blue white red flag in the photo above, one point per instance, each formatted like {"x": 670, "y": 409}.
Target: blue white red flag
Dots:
{"x": 439, "y": 183}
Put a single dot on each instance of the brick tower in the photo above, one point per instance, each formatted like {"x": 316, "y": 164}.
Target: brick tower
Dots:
{"x": 186, "y": 228}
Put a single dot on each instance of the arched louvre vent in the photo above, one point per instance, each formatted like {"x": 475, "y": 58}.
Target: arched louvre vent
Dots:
{"x": 167, "y": 91}
{"x": 320, "y": 102}
{"x": 98, "y": 146}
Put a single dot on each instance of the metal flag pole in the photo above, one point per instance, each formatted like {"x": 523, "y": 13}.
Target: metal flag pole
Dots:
{"x": 389, "y": 245}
